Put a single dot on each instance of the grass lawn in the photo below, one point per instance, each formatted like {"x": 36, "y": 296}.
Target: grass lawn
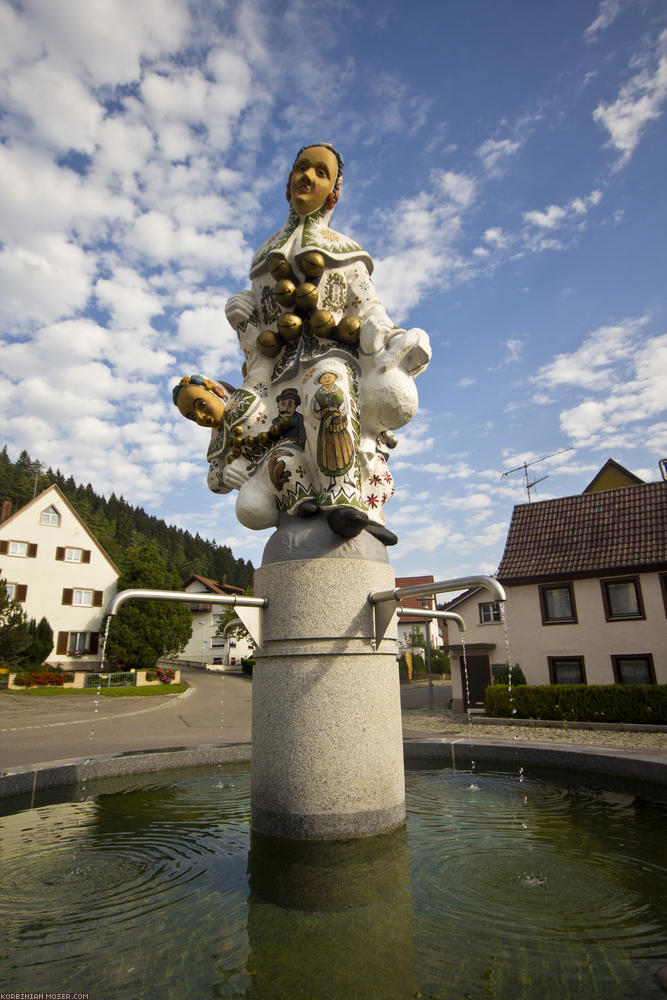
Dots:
{"x": 149, "y": 691}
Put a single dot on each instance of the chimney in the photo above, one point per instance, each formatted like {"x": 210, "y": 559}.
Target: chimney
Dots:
{"x": 6, "y": 510}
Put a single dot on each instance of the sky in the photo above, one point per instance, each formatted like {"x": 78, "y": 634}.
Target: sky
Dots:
{"x": 504, "y": 167}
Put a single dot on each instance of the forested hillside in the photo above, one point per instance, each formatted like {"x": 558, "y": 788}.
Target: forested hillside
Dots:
{"x": 117, "y": 525}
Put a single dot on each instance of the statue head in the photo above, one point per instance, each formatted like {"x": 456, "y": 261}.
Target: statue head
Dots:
{"x": 201, "y": 399}
{"x": 315, "y": 178}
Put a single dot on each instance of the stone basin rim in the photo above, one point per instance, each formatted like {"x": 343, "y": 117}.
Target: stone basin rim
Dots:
{"x": 627, "y": 765}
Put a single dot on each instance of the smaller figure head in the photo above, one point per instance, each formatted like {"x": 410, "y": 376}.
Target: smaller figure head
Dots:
{"x": 327, "y": 380}
{"x": 315, "y": 178}
{"x": 200, "y": 399}
{"x": 287, "y": 401}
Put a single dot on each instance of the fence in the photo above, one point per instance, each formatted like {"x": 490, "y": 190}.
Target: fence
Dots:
{"x": 110, "y": 680}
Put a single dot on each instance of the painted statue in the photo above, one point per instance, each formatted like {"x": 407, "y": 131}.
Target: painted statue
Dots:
{"x": 327, "y": 376}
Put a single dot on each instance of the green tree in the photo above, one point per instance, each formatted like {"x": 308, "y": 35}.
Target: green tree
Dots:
{"x": 143, "y": 631}
{"x": 416, "y": 638}
{"x": 14, "y": 629}
{"x": 40, "y": 643}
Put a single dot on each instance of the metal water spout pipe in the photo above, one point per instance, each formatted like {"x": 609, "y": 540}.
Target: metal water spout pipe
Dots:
{"x": 249, "y": 607}
{"x": 385, "y": 602}
{"x": 425, "y": 613}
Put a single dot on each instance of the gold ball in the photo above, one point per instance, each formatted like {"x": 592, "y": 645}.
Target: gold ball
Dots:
{"x": 306, "y": 297}
{"x": 312, "y": 265}
{"x": 284, "y": 423}
{"x": 263, "y": 437}
{"x": 279, "y": 268}
{"x": 348, "y": 329}
{"x": 237, "y": 431}
{"x": 289, "y": 326}
{"x": 274, "y": 431}
{"x": 230, "y": 458}
{"x": 269, "y": 344}
{"x": 249, "y": 442}
{"x": 284, "y": 293}
{"x": 322, "y": 322}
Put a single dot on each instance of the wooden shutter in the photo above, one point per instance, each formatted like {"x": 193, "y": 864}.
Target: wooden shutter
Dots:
{"x": 94, "y": 642}
{"x": 21, "y": 591}
{"x": 98, "y": 596}
{"x": 68, "y": 595}
{"x": 63, "y": 638}
{"x": 32, "y": 550}
{"x": 4, "y": 548}
{"x": 60, "y": 553}
{"x": 85, "y": 557}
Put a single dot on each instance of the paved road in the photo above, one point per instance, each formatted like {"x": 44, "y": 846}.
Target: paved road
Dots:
{"x": 215, "y": 709}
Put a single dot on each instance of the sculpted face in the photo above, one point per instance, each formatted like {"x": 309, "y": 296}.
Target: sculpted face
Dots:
{"x": 199, "y": 404}
{"x": 312, "y": 179}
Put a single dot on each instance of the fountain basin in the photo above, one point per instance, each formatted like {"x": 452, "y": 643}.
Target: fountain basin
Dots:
{"x": 500, "y": 885}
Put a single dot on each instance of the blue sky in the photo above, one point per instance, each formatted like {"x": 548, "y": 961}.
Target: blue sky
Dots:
{"x": 504, "y": 166}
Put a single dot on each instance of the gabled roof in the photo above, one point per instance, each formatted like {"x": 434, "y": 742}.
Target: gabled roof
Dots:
{"x": 212, "y": 585}
{"x": 612, "y": 476}
{"x": 616, "y": 530}
{"x": 48, "y": 495}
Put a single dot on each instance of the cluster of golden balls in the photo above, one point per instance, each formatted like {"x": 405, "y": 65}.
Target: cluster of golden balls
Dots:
{"x": 238, "y": 442}
{"x": 300, "y": 302}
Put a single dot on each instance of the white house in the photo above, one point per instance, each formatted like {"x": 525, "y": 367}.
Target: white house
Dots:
{"x": 586, "y": 584}
{"x": 413, "y": 624}
{"x": 55, "y": 567}
{"x": 205, "y": 648}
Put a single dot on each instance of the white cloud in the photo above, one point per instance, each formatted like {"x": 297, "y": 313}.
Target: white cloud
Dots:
{"x": 608, "y": 11}
{"x": 639, "y": 102}
{"x": 592, "y": 364}
{"x": 493, "y": 152}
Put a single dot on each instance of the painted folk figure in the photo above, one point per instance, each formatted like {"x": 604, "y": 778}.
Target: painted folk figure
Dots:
{"x": 327, "y": 376}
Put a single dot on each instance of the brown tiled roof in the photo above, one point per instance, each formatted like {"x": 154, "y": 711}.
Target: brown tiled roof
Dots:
{"x": 213, "y": 585}
{"x": 609, "y": 531}
{"x": 414, "y": 602}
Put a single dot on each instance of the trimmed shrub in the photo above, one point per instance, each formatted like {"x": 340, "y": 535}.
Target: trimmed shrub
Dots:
{"x": 630, "y": 703}
{"x": 247, "y": 663}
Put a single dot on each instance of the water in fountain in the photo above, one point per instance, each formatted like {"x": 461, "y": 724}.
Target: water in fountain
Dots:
{"x": 161, "y": 892}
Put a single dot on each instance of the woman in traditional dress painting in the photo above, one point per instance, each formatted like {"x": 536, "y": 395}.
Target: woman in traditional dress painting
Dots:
{"x": 335, "y": 450}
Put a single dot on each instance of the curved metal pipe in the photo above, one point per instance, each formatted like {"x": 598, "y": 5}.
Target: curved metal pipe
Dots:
{"x": 425, "y": 613}
{"x": 240, "y": 600}
{"x": 440, "y": 587}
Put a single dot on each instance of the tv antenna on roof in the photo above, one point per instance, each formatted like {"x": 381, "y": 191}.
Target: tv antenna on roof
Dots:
{"x": 529, "y": 486}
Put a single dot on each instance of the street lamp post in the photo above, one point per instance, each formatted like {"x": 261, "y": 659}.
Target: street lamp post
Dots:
{"x": 203, "y": 642}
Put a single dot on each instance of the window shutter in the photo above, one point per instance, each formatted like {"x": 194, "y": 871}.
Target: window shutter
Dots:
{"x": 85, "y": 557}
{"x": 60, "y": 553}
{"x": 32, "y": 550}
{"x": 4, "y": 548}
{"x": 21, "y": 591}
{"x": 94, "y": 642}
{"x": 62, "y": 642}
{"x": 68, "y": 595}
{"x": 98, "y": 595}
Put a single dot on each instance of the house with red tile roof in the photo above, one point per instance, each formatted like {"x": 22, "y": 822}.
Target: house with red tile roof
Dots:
{"x": 586, "y": 584}
{"x": 406, "y": 624}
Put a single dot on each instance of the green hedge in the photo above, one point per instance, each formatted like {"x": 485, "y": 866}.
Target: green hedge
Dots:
{"x": 638, "y": 703}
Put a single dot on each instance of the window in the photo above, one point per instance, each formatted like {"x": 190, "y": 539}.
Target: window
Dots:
{"x": 78, "y": 642}
{"x": 22, "y": 549}
{"x": 633, "y": 669}
{"x": 11, "y": 590}
{"x": 489, "y": 612}
{"x": 72, "y": 555}
{"x": 426, "y": 602}
{"x": 17, "y": 591}
{"x": 622, "y": 599}
{"x": 567, "y": 670}
{"x": 50, "y": 516}
{"x": 83, "y": 598}
{"x": 557, "y": 604}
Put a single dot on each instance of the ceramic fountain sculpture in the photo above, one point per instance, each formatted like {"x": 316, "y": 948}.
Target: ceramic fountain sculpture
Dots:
{"x": 305, "y": 440}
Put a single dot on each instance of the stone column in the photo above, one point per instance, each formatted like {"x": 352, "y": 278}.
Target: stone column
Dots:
{"x": 327, "y": 751}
